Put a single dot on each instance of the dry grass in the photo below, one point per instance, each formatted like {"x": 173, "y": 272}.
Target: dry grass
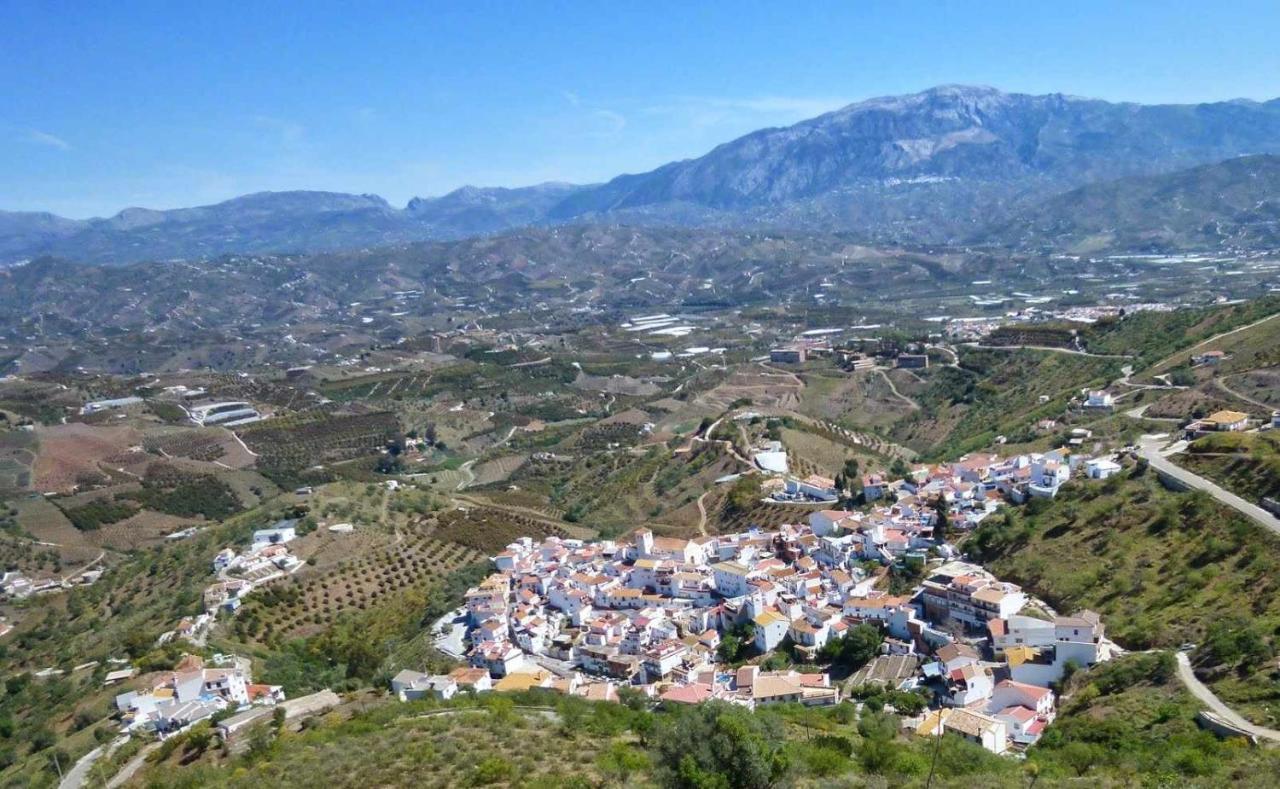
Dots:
{"x": 498, "y": 469}
{"x": 74, "y": 451}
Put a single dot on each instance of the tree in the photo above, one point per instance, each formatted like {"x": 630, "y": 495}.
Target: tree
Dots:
{"x": 719, "y": 745}
{"x": 877, "y": 749}
{"x": 899, "y": 469}
{"x": 620, "y": 761}
{"x": 736, "y": 642}
{"x": 850, "y": 470}
{"x": 744, "y": 494}
{"x": 858, "y": 646}
{"x": 1079, "y": 756}
{"x": 942, "y": 519}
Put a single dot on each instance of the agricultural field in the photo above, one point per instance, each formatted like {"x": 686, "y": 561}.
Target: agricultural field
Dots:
{"x": 1160, "y": 341}
{"x": 212, "y": 445}
{"x": 498, "y": 469}
{"x": 311, "y": 600}
{"x": 286, "y": 446}
{"x": 489, "y": 529}
{"x": 993, "y": 393}
{"x": 618, "y": 490}
{"x": 1259, "y": 386}
{"x": 1196, "y": 402}
{"x": 17, "y": 455}
{"x": 44, "y": 402}
{"x": 72, "y": 455}
{"x": 818, "y": 454}
{"x": 138, "y": 530}
{"x": 395, "y": 385}
{"x": 767, "y": 388}
{"x": 47, "y": 524}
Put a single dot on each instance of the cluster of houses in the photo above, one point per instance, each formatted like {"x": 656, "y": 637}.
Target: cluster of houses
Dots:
{"x": 193, "y": 691}
{"x": 651, "y": 612}
{"x": 266, "y": 559}
{"x": 15, "y": 585}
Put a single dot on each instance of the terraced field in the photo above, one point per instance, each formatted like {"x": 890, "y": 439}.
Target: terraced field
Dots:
{"x": 287, "y": 445}
{"x": 490, "y": 529}
{"x": 17, "y": 454}
{"x": 309, "y": 602}
{"x": 498, "y": 469}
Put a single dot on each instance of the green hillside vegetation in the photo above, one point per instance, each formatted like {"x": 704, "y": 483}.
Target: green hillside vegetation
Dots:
{"x": 96, "y": 514}
{"x": 1162, "y": 568}
{"x": 1246, "y": 463}
{"x": 1154, "y": 336}
{"x": 147, "y": 593}
{"x": 995, "y": 392}
{"x": 1123, "y": 720}
{"x": 1226, "y": 204}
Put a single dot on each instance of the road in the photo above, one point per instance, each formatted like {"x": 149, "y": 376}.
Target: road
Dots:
{"x": 1071, "y": 351}
{"x": 452, "y": 643}
{"x": 132, "y": 766}
{"x": 702, "y": 514}
{"x": 1149, "y": 448}
{"x": 912, "y": 403}
{"x": 77, "y": 775}
{"x": 73, "y": 574}
{"x": 465, "y": 468}
{"x": 1214, "y": 703}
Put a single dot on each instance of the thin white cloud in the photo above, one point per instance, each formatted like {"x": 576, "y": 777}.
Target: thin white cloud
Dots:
{"x": 615, "y": 122}
{"x": 46, "y": 139}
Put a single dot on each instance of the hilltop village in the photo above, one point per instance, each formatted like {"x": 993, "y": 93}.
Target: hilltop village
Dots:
{"x": 686, "y": 621}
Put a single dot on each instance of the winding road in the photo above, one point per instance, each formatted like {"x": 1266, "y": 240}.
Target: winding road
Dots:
{"x": 1149, "y": 447}
{"x": 893, "y": 388}
{"x": 1198, "y": 689}
{"x": 77, "y": 775}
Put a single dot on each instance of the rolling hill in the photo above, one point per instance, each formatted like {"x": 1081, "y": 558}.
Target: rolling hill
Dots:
{"x": 1222, "y": 206}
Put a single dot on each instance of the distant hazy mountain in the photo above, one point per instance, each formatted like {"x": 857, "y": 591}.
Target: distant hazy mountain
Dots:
{"x": 475, "y": 211}
{"x": 941, "y": 159}
{"x": 1225, "y": 205}
{"x": 936, "y": 166}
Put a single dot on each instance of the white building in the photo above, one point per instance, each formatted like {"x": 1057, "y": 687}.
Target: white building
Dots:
{"x": 1101, "y": 468}
{"x": 281, "y": 532}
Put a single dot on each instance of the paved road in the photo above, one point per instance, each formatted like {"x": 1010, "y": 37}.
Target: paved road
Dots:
{"x": 77, "y": 775}
{"x": 1214, "y": 703}
{"x": 450, "y": 633}
{"x": 1051, "y": 348}
{"x": 133, "y": 766}
{"x": 1149, "y": 448}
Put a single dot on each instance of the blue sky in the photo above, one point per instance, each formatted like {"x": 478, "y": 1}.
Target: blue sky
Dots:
{"x": 165, "y": 104}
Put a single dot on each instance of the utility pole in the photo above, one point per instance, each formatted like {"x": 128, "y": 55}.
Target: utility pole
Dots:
{"x": 937, "y": 747}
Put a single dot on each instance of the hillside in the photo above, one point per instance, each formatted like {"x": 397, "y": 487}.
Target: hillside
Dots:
{"x": 1163, "y": 568}
{"x": 932, "y": 167}
{"x": 1225, "y": 206}
{"x": 1126, "y": 717}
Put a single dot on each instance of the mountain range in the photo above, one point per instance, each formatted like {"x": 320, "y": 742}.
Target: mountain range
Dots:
{"x": 951, "y": 164}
